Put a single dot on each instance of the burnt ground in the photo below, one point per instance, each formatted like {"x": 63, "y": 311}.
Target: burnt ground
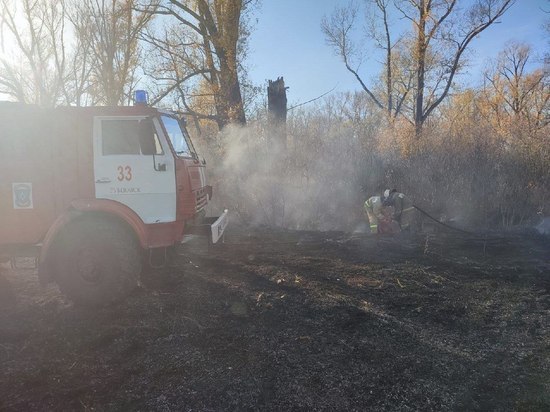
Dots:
{"x": 296, "y": 321}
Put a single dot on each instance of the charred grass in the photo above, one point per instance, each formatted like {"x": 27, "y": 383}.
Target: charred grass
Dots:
{"x": 277, "y": 320}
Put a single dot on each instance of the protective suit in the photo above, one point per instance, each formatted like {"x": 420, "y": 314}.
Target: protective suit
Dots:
{"x": 389, "y": 213}
{"x": 403, "y": 210}
{"x": 374, "y": 209}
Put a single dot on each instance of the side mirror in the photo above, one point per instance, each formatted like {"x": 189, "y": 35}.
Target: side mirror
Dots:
{"x": 147, "y": 137}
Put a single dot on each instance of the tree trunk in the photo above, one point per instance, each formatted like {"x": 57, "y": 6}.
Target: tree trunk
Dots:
{"x": 277, "y": 110}
{"x": 420, "y": 69}
{"x": 231, "y": 91}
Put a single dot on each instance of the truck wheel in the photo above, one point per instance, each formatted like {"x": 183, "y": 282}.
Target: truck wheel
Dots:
{"x": 97, "y": 261}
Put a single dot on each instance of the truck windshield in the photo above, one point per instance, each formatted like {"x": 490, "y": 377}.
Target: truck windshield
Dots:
{"x": 178, "y": 137}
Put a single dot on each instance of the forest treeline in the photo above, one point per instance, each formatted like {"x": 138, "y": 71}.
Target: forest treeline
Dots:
{"x": 478, "y": 154}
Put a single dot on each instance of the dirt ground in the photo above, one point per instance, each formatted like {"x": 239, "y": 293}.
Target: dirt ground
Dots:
{"x": 277, "y": 320}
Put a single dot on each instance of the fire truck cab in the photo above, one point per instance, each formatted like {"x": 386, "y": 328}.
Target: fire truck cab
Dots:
{"x": 92, "y": 190}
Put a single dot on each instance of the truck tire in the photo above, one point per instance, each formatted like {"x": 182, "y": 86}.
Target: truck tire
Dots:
{"x": 97, "y": 262}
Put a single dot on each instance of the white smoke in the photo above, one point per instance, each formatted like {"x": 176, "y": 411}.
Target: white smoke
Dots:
{"x": 312, "y": 184}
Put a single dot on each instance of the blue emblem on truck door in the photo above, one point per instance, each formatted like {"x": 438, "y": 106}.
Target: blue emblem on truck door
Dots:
{"x": 22, "y": 195}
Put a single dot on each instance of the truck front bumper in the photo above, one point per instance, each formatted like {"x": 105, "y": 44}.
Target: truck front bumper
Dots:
{"x": 213, "y": 227}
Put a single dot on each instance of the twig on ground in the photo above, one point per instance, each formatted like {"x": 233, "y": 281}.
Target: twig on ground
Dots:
{"x": 418, "y": 283}
{"x": 201, "y": 327}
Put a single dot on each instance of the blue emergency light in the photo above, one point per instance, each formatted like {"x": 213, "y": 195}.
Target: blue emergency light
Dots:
{"x": 140, "y": 97}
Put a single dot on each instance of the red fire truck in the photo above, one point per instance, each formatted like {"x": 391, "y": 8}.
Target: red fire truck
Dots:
{"x": 91, "y": 191}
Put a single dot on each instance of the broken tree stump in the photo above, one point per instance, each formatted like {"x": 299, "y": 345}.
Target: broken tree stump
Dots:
{"x": 277, "y": 110}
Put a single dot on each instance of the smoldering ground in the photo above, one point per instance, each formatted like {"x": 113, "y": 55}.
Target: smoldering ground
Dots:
{"x": 289, "y": 320}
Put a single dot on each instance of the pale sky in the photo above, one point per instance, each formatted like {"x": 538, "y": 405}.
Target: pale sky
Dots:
{"x": 287, "y": 41}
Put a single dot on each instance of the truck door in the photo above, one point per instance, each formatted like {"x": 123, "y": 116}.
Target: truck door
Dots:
{"x": 133, "y": 165}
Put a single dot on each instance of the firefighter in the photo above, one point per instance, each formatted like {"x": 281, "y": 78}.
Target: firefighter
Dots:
{"x": 388, "y": 213}
{"x": 403, "y": 210}
{"x": 373, "y": 207}
{"x": 380, "y": 216}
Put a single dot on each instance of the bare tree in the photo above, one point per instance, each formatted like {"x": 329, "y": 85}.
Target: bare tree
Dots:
{"x": 441, "y": 34}
{"x": 202, "y": 53}
{"x": 395, "y": 82}
{"x": 34, "y": 70}
{"x": 108, "y": 32}
{"x": 517, "y": 96}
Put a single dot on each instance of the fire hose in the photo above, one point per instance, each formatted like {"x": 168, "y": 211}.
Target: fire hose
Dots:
{"x": 441, "y": 223}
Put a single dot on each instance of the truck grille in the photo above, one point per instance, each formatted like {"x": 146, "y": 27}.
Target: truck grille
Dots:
{"x": 200, "y": 200}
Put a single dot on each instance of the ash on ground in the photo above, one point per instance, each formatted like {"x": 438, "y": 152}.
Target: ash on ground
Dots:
{"x": 278, "y": 320}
